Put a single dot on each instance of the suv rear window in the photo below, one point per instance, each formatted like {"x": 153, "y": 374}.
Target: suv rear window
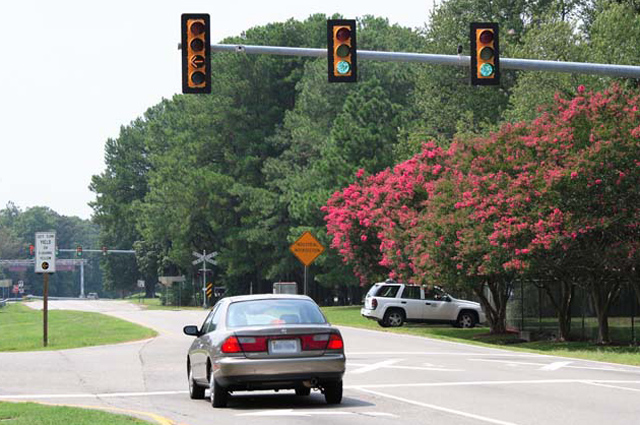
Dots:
{"x": 387, "y": 291}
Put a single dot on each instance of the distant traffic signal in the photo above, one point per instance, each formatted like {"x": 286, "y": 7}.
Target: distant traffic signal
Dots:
{"x": 341, "y": 51}
{"x": 104, "y": 250}
{"x": 78, "y": 251}
{"x": 196, "y": 53}
{"x": 485, "y": 54}
{"x": 31, "y": 250}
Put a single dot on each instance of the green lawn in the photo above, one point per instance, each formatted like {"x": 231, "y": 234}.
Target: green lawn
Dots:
{"x": 37, "y": 414}
{"x": 155, "y": 304}
{"x": 350, "y": 316}
{"x": 21, "y": 329}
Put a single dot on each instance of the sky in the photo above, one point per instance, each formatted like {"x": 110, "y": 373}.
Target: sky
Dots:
{"x": 73, "y": 72}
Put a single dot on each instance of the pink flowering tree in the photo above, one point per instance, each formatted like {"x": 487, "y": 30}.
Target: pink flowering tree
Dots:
{"x": 555, "y": 200}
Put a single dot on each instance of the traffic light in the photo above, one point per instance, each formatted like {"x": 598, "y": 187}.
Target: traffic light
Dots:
{"x": 78, "y": 251}
{"x": 485, "y": 54}
{"x": 341, "y": 51}
{"x": 104, "y": 250}
{"x": 196, "y": 53}
{"x": 31, "y": 250}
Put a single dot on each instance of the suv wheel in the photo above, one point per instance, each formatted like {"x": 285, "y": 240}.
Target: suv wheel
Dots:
{"x": 394, "y": 318}
{"x": 466, "y": 319}
{"x": 218, "y": 395}
{"x": 382, "y": 323}
{"x": 333, "y": 392}
{"x": 196, "y": 392}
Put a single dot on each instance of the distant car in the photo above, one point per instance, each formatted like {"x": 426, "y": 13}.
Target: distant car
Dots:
{"x": 265, "y": 342}
{"x": 92, "y": 296}
{"x": 391, "y": 304}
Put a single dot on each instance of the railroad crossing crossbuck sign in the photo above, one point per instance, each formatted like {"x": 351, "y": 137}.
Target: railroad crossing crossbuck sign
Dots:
{"x": 307, "y": 248}
{"x": 200, "y": 258}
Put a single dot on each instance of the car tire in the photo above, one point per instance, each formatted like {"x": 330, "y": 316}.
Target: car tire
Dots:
{"x": 218, "y": 395}
{"x": 394, "y": 318}
{"x": 196, "y": 392}
{"x": 382, "y": 323}
{"x": 303, "y": 391}
{"x": 333, "y": 392}
{"x": 466, "y": 319}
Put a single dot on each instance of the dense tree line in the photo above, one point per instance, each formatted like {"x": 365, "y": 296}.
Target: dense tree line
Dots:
{"x": 245, "y": 170}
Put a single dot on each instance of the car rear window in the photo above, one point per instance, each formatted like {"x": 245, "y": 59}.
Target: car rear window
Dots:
{"x": 273, "y": 313}
{"x": 387, "y": 291}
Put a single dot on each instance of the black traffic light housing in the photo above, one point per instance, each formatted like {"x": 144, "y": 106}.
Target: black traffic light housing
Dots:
{"x": 342, "y": 54}
{"x": 31, "y": 250}
{"x": 485, "y": 54}
{"x": 78, "y": 251}
{"x": 196, "y": 53}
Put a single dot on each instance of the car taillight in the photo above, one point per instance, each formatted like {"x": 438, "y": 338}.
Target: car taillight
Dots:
{"x": 231, "y": 345}
{"x": 335, "y": 342}
{"x": 253, "y": 344}
{"x": 314, "y": 342}
{"x": 374, "y": 304}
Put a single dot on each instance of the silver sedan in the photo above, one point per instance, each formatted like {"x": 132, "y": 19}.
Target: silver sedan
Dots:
{"x": 265, "y": 342}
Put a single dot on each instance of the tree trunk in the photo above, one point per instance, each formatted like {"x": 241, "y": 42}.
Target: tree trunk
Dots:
{"x": 603, "y": 293}
{"x": 497, "y": 311}
{"x": 562, "y": 305}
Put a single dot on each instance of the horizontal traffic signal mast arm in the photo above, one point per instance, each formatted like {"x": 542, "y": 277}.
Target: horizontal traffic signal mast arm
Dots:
{"x": 611, "y": 70}
{"x": 115, "y": 251}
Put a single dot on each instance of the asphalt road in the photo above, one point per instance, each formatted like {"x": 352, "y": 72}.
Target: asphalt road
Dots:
{"x": 389, "y": 378}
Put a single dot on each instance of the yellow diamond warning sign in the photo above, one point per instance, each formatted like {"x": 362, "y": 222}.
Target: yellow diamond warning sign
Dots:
{"x": 307, "y": 248}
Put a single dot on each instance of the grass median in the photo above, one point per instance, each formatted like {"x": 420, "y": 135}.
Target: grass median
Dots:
{"x": 624, "y": 354}
{"x": 156, "y": 303}
{"x": 37, "y": 414}
{"x": 21, "y": 329}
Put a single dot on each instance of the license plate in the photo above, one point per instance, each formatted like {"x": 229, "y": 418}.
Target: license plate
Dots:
{"x": 284, "y": 346}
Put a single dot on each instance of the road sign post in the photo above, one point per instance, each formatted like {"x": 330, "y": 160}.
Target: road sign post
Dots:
{"x": 45, "y": 264}
{"x": 306, "y": 249}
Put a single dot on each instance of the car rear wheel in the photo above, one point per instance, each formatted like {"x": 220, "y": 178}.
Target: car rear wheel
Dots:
{"x": 333, "y": 392}
{"x": 218, "y": 395}
{"x": 302, "y": 391}
{"x": 394, "y": 318}
{"x": 196, "y": 392}
{"x": 466, "y": 319}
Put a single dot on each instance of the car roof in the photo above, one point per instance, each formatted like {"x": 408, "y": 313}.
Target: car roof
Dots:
{"x": 255, "y": 297}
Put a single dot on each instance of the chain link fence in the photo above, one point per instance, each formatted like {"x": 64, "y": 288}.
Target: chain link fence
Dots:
{"x": 530, "y": 309}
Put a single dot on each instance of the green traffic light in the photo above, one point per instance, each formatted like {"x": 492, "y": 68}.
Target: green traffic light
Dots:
{"x": 343, "y": 67}
{"x": 486, "y": 70}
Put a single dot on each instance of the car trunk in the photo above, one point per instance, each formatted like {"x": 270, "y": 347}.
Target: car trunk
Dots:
{"x": 284, "y": 341}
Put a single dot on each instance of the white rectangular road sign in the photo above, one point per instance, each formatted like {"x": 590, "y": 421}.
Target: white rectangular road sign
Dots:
{"x": 45, "y": 252}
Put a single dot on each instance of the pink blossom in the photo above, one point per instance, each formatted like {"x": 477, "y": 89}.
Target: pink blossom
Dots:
{"x": 574, "y": 175}
{"x": 581, "y": 89}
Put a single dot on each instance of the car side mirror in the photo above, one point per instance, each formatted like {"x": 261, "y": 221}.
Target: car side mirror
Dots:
{"x": 191, "y": 330}
{"x": 447, "y": 298}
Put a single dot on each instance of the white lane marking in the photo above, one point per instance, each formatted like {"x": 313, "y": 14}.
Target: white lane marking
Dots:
{"x": 102, "y": 395}
{"x": 471, "y": 346}
{"x": 602, "y": 382}
{"x": 481, "y": 383}
{"x": 439, "y": 408}
{"x": 435, "y": 368}
{"x": 610, "y": 369}
{"x": 308, "y": 413}
{"x": 613, "y": 386}
{"x": 436, "y": 353}
{"x": 372, "y": 367}
{"x": 555, "y": 366}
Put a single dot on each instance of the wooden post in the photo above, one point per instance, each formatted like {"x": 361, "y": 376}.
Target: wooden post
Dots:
{"x": 45, "y": 310}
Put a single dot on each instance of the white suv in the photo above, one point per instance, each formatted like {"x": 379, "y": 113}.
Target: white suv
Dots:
{"x": 391, "y": 304}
